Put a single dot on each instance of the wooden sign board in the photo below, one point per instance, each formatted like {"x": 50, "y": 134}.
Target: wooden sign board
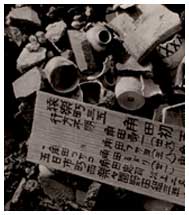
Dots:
{"x": 114, "y": 148}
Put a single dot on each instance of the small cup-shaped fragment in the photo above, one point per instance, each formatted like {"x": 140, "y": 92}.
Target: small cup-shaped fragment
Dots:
{"x": 99, "y": 37}
{"x": 62, "y": 74}
{"x": 129, "y": 93}
{"x": 92, "y": 91}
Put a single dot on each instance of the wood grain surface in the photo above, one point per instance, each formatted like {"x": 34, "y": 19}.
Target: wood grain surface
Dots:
{"x": 114, "y": 148}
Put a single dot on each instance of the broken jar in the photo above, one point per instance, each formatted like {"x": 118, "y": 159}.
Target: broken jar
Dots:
{"x": 62, "y": 74}
{"x": 99, "y": 37}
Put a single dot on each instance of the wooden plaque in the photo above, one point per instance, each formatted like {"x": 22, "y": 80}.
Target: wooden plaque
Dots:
{"x": 114, "y": 148}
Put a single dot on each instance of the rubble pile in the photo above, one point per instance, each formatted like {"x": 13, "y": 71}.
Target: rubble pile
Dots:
{"x": 128, "y": 58}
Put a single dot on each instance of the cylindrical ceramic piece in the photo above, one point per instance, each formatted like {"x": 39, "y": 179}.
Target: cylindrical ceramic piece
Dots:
{"x": 62, "y": 74}
{"x": 129, "y": 93}
{"x": 93, "y": 91}
{"x": 99, "y": 37}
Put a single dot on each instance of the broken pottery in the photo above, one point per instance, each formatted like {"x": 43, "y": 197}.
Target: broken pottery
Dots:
{"x": 83, "y": 52}
{"x": 172, "y": 51}
{"x": 129, "y": 92}
{"x": 93, "y": 91}
{"x": 99, "y": 37}
{"x": 144, "y": 26}
{"x": 62, "y": 74}
{"x": 180, "y": 75}
{"x": 25, "y": 13}
{"x": 28, "y": 83}
{"x": 28, "y": 59}
{"x": 55, "y": 31}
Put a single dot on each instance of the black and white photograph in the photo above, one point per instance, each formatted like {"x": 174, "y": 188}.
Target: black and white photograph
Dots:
{"x": 94, "y": 107}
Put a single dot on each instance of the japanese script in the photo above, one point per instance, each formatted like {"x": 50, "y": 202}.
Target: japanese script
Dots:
{"x": 119, "y": 149}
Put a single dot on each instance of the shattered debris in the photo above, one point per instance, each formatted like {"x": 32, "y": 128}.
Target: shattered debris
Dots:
{"x": 124, "y": 57}
{"x": 129, "y": 93}
{"x": 147, "y": 25}
{"x": 157, "y": 205}
{"x": 55, "y": 31}
{"x": 172, "y": 51}
{"x": 174, "y": 114}
{"x": 14, "y": 34}
{"x": 23, "y": 14}
{"x": 82, "y": 51}
{"x": 31, "y": 56}
{"x": 28, "y": 83}
{"x": 99, "y": 37}
{"x": 62, "y": 74}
